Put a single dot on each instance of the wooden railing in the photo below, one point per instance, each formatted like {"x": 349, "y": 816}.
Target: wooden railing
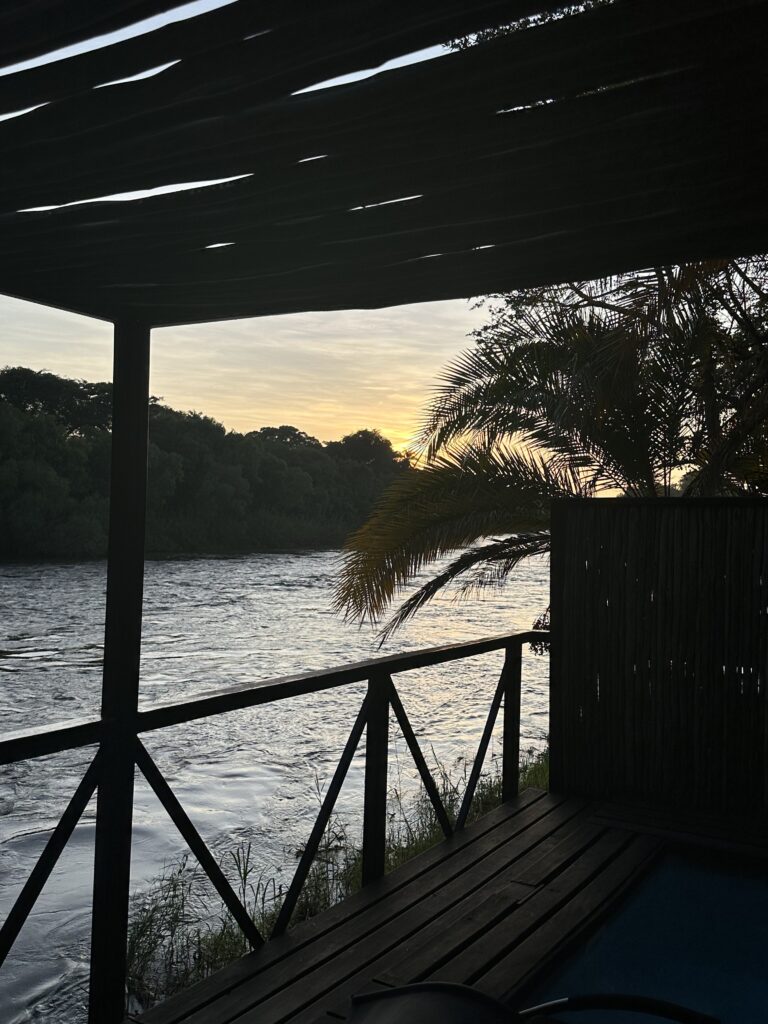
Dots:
{"x": 116, "y": 738}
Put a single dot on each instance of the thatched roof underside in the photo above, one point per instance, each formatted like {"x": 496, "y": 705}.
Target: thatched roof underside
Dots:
{"x": 621, "y": 137}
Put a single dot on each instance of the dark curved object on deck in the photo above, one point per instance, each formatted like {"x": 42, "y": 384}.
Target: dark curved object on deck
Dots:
{"x": 446, "y": 1003}
{"x": 626, "y": 1003}
{"x": 428, "y": 1003}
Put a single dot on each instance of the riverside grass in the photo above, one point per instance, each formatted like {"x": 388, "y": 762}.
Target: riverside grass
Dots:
{"x": 179, "y": 935}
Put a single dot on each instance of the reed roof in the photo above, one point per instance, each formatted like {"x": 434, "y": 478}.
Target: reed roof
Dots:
{"x": 624, "y": 136}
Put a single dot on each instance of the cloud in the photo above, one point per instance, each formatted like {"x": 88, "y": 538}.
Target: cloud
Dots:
{"x": 48, "y": 339}
{"x": 326, "y": 373}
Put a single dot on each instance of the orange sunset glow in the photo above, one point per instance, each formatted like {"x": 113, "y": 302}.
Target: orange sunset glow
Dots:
{"x": 328, "y": 374}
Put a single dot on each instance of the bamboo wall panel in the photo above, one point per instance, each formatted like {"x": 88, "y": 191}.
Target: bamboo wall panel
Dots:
{"x": 659, "y": 661}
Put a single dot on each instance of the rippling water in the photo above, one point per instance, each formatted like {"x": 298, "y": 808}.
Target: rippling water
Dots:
{"x": 212, "y": 623}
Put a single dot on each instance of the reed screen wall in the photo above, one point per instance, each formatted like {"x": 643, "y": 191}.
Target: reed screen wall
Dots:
{"x": 660, "y": 636}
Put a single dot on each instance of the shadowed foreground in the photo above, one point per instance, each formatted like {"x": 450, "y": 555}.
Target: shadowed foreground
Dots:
{"x": 488, "y": 907}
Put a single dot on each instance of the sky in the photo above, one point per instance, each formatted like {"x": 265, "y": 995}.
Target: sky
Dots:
{"x": 328, "y": 374}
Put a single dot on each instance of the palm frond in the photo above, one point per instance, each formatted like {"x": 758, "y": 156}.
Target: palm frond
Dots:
{"x": 644, "y": 383}
{"x": 467, "y": 494}
{"x": 486, "y": 565}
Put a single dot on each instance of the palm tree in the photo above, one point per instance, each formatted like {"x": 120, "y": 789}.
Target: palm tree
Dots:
{"x": 646, "y": 384}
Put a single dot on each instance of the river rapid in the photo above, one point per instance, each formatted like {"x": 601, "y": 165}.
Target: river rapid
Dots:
{"x": 212, "y": 623}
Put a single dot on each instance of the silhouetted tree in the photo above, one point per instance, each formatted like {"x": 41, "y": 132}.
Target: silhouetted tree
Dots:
{"x": 79, "y": 406}
{"x": 210, "y": 490}
{"x": 648, "y": 384}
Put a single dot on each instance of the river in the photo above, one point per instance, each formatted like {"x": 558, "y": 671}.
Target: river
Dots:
{"x": 211, "y": 623}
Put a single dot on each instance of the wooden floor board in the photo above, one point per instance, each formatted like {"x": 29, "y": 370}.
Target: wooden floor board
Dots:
{"x": 489, "y": 907}
{"x": 349, "y": 952}
{"x": 459, "y": 924}
{"x": 748, "y": 836}
{"x": 473, "y": 961}
{"x": 512, "y": 971}
{"x": 493, "y": 829}
{"x": 421, "y": 953}
{"x": 424, "y": 953}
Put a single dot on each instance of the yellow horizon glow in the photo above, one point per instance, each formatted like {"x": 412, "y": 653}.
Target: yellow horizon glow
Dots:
{"x": 328, "y": 374}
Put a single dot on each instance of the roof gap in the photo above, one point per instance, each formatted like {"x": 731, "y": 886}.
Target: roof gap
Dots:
{"x": 450, "y": 252}
{"x": 145, "y": 193}
{"x": 18, "y": 113}
{"x": 527, "y": 106}
{"x": 386, "y": 202}
{"x": 180, "y": 13}
{"x": 397, "y": 62}
{"x": 150, "y": 73}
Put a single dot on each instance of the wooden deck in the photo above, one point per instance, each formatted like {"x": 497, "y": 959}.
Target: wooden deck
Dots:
{"x": 488, "y": 907}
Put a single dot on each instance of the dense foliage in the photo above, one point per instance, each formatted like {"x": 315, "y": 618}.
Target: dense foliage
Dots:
{"x": 210, "y": 490}
{"x": 648, "y": 384}
{"x": 556, "y": 12}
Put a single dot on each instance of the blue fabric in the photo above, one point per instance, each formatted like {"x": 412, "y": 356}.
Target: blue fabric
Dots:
{"x": 693, "y": 932}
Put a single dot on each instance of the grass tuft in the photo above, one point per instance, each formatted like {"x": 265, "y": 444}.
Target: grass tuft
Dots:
{"x": 179, "y": 934}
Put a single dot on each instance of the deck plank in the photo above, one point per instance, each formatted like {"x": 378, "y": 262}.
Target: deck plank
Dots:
{"x": 471, "y": 963}
{"x": 289, "y": 987}
{"x": 369, "y": 906}
{"x": 510, "y": 974}
{"x": 244, "y": 970}
{"x": 489, "y": 907}
{"x": 417, "y": 957}
{"x": 739, "y": 834}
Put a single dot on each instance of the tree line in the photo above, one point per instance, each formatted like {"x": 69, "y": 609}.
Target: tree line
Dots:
{"x": 210, "y": 490}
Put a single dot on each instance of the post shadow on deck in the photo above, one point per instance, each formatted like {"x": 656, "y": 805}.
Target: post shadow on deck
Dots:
{"x": 120, "y": 685}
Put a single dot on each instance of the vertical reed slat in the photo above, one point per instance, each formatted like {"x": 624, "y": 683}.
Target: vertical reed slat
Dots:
{"x": 512, "y": 676}
{"x": 682, "y": 710}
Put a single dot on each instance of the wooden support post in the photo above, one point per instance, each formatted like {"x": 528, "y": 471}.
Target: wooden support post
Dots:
{"x": 376, "y": 757}
{"x": 120, "y": 685}
{"x": 512, "y": 674}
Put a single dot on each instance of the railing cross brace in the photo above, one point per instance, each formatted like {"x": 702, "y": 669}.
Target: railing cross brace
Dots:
{"x": 112, "y": 770}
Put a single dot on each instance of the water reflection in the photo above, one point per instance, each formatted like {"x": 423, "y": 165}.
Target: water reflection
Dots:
{"x": 211, "y": 623}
